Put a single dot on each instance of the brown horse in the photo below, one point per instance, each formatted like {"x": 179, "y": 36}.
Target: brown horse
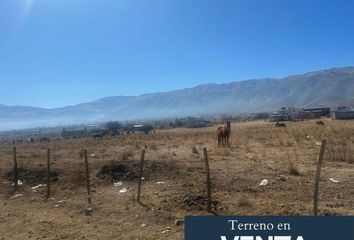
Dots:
{"x": 223, "y": 134}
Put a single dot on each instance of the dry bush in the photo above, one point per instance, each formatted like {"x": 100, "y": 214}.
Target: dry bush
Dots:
{"x": 292, "y": 169}
{"x": 296, "y": 133}
{"x": 339, "y": 151}
{"x": 126, "y": 155}
{"x": 287, "y": 164}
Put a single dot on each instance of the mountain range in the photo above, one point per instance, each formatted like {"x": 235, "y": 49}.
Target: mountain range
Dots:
{"x": 326, "y": 87}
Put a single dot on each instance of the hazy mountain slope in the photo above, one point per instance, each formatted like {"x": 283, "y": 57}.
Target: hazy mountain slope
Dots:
{"x": 317, "y": 88}
{"x": 327, "y": 87}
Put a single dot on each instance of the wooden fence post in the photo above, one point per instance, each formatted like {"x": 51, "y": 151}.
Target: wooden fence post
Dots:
{"x": 87, "y": 178}
{"x": 207, "y": 170}
{"x": 48, "y": 173}
{"x": 317, "y": 179}
{"x": 15, "y": 170}
{"x": 141, "y": 173}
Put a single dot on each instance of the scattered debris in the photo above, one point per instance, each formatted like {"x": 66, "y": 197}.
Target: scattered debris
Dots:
{"x": 334, "y": 180}
{"x": 282, "y": 178}
{"x": 123, "y": 190}
{"x": 167, "y": 230}
{"x": 160, "y": 182}
{"x": 318, "y": 143}
{"x": 38, "y": 186}
{"x": 17, "y": 196}
{"x": 19, "y": 183}
{"x": 92, "y": 155}
{"x": 143, "y": 225}
{"x": 118, "y": 184}
{"x": 264, "y": 182}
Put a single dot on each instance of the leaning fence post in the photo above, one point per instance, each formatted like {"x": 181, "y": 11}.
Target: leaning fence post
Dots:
{"x": 207, "y": 170}
{"x": 48, "y": 173}
{"x": 317, "y": 179}
{"x": 87, "y": 179}
{"x": 15, "y": 170}
{"x": 141, "y": 173}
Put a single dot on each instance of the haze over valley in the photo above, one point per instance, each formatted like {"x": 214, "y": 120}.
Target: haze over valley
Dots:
{"x": 326, "y": 87}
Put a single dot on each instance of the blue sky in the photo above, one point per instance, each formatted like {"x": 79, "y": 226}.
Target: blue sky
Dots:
{"x": 62, "y": 52}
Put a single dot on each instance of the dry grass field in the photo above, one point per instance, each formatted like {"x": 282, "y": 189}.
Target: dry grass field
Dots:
{"x": 174, "y": 180}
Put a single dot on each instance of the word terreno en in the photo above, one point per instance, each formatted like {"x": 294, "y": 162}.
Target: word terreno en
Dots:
{"x": 237, "y": 226}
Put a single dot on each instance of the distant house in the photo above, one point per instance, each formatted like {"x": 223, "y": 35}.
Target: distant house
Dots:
{"x": 284, "y": 114}
{"x": 319, "y": 111}
{"x": 302, "y": 115}
{"x": 139, "y": 127}
{"x": 343, "y": 113}
{"x": 73, "y": 133}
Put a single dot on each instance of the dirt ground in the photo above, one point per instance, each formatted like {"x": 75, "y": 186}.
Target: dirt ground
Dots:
{"x": 174, "y": 180}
